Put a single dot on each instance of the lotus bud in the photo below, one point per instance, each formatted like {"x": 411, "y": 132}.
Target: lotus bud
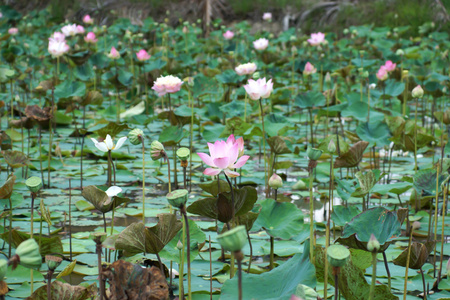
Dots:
{"x": 233, "y": 240}
{"x": 52, "y": 262}
{"x": 256, "y": 75}
{"x": 337, "y": 255}
{"x": 400, "y": 52}
{"x": 313, "y": 153}
{"x": 417, "y": 92}
{"x": 34, "y": 184}
{"x": 416, "y": 225}
{"x": 177, "y": 198}
{"x": 136, "y": 136}
{"x": 27, "y": 255}
{"x": 275, "y": 181}
{"x": 4, "y": 268}
{"x": 372, "y": 86}
{"x": 156, "y": 150}
{"x": 373, "y": 245}
{"x": 331, "y": 146}
{"x": 179, "y": 245}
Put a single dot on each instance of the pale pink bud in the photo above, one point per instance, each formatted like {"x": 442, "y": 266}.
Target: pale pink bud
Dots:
{"x": 90, "y": 38}
{"x": 142, "y": 55}
{"x": 309, "y": 69}
{"x": 267, "y": 16}
{"x": 88, "y": 20}
{"x": 261, "y": 44}
{"x": 13, "y": 31}
{"x": 114, "y": 54}
{"x": 382, "y": 74}
{"x": 228, "y": 35}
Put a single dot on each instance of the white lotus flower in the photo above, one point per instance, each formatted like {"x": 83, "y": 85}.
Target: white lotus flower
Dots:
{"x": 108, "y": 144}
{"x": 113, "y": 191}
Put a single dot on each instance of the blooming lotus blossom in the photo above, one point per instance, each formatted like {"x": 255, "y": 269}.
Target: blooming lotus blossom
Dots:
{"x": 13, "y": 31}
{"x": 246, "y": 69}
{"x": 57, "y": 37}
{"x": 390, "y": 66}
{"x": 240, "y": 141}
{"x": 113, "y": 191}
{"x": 56, "y": 48}
{"x": 267, "y": 16}
{"x": 261, "y": 44}
{"x": 382, "y": 73}
{"x": 224, "y": 156}
{"x": 316, "y": 39}
{"x": 114, "y": 54}
{"x": 259, "y": 89}
{"x": 309, "y": 69}
{"x": 88, "y": 20}
{"x": 80, "y": 29}
{"x": 142, "y": 55}
{"x": 90, "y": 38}
{"x": 228, "y": 35}
{"x": 108, "y": 144}
{"x": 167, "y": 84}
{"x": 70, "y": 30}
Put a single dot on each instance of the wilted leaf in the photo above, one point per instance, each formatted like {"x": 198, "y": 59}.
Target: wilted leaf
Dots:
{"x": 418, "y": 255}
{"x": 352, "y": 157}
{"x": 65, "y": 291}
{"x": 7, "y": 188}
{"x": 16, "y": 159}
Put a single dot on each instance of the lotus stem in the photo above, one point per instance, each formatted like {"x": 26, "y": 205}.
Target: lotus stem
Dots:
{"x": 98, "y": 249}
{"x": 407, "y": 262}
{"x": 175, "y": 176}
{"x": 117, "y": 96}
{"x": 386, "y": 265}
{"x": 415, "y": 138}
{"x": 191, "y": 141}
{"x": 181, "y": 266}
{"x": 70, "y": 219}
{"x": 374, "y": 275}
{"x": 444, "y": 210}
{"x": 109, "y": 169}
{"x": 436, "y": 205}
{"x": 10, "y": 227}
{"x": 336, "y": 282}
{"x": 49, "y": 284}
{"x": 232, "y": 195}
{"x": 271, "y": 252}
{"x": 311, "y": 216}
{"x": 104, "y": 222}
{"x": 423, "y": 283}
{"x": 210, "y": 271}
{"x": 251, "y": 252}
{"x": 161, "y": 266}
{"x": 245, "y": 110}
{"x": 188, "y": 250}
{"x": 239, "y": 257}
{"x": 166, "y": 158}
{"x": 143, "y": 178}
{"x": 261, "y": 114}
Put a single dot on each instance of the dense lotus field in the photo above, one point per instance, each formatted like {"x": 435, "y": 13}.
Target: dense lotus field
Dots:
{"x": 227, "y": 165}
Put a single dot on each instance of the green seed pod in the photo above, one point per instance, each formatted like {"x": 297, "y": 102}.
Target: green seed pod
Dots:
{"x": 313, "y": 153}
{"x": 234, "y": 239}
{"x": 52, "y": 262}
{"x": 3, "y": 268}
{"x": 136, "y": 136}
{"x": 337, "y": 255}
{"x": 34, "y": 184}
{"x": 183, "y": 153}
{"x": 177, "y": 198}
{"x": 28, "y": 254}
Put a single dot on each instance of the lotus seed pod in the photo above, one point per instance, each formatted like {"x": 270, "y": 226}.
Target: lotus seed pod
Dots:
{"x": 156, "y": 150}
{"x": 233, "y": 240}
{"x": 98, "y": 237}
{"x": 183, "y": 153}
{"x": 275, "y": 181}
{"x": 313, "y": 153}
{"x": 34, "y": 184}
{"x": 4, "y": 267}
{"x": 28, "y": 254}
{"x": 373, "y": 245}
{"x": 417, "y": 92}
{"x": 136, "y": 136}
{"x": 337, "y": 255}
{"x": 177, "y": 198}
{"x": 52, "y": 262}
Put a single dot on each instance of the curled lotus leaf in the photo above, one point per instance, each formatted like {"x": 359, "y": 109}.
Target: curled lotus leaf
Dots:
{"x": 352, "y": 157}
{"x": 418, "y": 255}
{"x": 101, "y": 200}
{"x": 7, "y": 188}
{"x": 38, "y": 114}
{"x": 380, "y": 222}
{"x": 61, "y": 290}
{"x": 278, "y": 145}
{"x": 16, "y": 159}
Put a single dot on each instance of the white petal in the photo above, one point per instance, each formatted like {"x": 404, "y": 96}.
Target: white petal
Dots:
{"x": 120, "y": 142}
{"x": 113, "y": 191}
{"x": 109, "y": 143}
{"x": 102, "y": 147}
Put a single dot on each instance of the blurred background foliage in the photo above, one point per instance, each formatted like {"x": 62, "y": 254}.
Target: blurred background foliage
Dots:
{"x": 307, "y": 15}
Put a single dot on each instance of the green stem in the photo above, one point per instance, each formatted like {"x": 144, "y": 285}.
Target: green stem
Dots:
{"x": 271, "y": 252}
{"x": 407, "y": 263}
{"x": 188, "y": 250}
{"x": 415, "y": 138}
{"x": 311, "y": 217}
{"x": 181, "y": 271}
{"x": 374, "y": 275}
{"x": 261, "y": 114}
{"x": 143, "y": 179}
{"x": 10, "y": 227}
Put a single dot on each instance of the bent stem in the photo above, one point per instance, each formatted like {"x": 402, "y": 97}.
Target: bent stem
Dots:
{"x": 374, "y": 275}
{"x": 188, "y": 249}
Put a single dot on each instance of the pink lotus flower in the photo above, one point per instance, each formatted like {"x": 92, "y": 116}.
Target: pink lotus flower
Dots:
{"x": 13, "y": 31}
{"x": 259, "y": 88}
{"x": 57, "y": 37}
{"x": 88, "y": 20}
{"x": 114, "y": 54}
{"x": 309, "y": 69}
{"x": 142, "y": 55}
{"x": 390, "y": 66}
{"x": 382, "y": 73}
{"x": 223, "y": 157}
{"x": 261, "y": 44}
{"x": 56, "y": 48}
{"x": 228, "y": 35}
{"x": 267, "y": 16}
{"x": 316, "y": 39}
{"x": 80, "y": 29}
{"x": 167, "y": 84}
{"x": 90, "y": 38}
{"x": 245, "y": 69}
{"x": 70, "y": 30}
